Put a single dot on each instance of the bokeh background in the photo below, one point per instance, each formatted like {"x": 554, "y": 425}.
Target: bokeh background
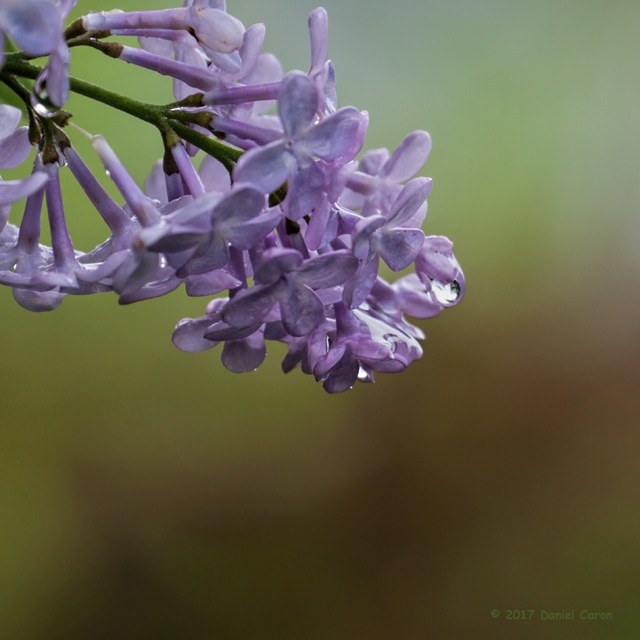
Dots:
{"x": 149, "y": 493}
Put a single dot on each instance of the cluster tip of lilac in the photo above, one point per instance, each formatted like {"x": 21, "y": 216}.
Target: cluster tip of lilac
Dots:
{"x": 289, "y": 235}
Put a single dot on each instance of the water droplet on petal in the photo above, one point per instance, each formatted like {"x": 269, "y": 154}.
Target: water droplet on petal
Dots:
{"x": 42, "y": 105}
{"x": 364, "y": 375}
{"x": 446, "y": 293}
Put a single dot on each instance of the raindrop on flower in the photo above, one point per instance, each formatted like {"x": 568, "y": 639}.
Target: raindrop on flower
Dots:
{"x": 43, "y": 106}
{"x": 446, "y": 292}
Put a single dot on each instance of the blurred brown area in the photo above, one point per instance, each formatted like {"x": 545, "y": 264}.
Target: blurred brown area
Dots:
{"x": 146, "y": 492}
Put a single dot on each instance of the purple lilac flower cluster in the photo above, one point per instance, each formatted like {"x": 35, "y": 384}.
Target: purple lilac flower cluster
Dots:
{"x": 280, "y": 220}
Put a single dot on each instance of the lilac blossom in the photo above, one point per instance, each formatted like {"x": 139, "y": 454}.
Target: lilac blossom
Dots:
{"x": 385, "y": 237}
{"x": 284, "y": 278}
{"x": 215, "y": 30}
{"x": 244, "y": 348}
{"x": 380, "y": 175}
{"x": 337, "y": 138}
{"x": 281, "y": 220}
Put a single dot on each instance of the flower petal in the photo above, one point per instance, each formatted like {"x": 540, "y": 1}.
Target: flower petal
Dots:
{"x": 265, "y": 167}
{"x": 188, "y": 334}
{"x": 327, "y": 270}
{"x": 408, "y": 157}
{"x": 409, "y": 200}
{"x": 275, "y": 263}
{"x": 302, "y": 310}
{"x": 242, "y": 356}
{"x": 359, "y": 287}
{"x": 208, "y": 284}
{"x": 251, "y": 306}
{"x": 239, "y": 205}
{"x": 339, "y": 136}
{"x": 9, "y": 119}
{"x": 12, "y": 190}
{"x": 399, "y": 247}
{"x": 34, "y": 25}
{"x": 210, "y": 255}
{"x": 297, "y": 103}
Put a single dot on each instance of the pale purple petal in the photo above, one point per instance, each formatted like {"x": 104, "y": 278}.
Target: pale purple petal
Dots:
{"x": 340, "y": 136}
{"x": 38, "y": 301}
{"x": 316, "y": 233}
{"x": 155, "y": 186}
{"x": 242, "y": 356}
{"x": 251, "y": 46}
{"x": 358, "y": 288}
{"x": 363, "y": 235}
{"x": 435, "y": 265}
{"x": 251, "y": 306}
{"x": 14, "y": 149}
{"x": 210, "y": 255}
{"x": 208, "y": 284}
{"x": 214, "y": 175}
{"x": 34, "y": 25}
{"x": 174, "y": 242}
{"x": 319, "y": 36}
{"x": 275, "y": 263}
{"x": 9, "y": 119}
{"x": 408, "y": 157}
{"x": 188, "y": 334}
{"x": 327, "y": 270}
{"x": 343, "y": 375}
{"x": 12, "y": 190}
{"x": 265, "y": 167}
{"x": 305, "y": 190}
{"x": 139, "y": 270}
{"x": 409, "y": 200}
{"x": 238, "y": 206}
{"x": 250, "y": 233}
{"x": 414, "y": 299}
{"x": 399, "y": 247}
{"x": 372, "y": 161}
{"x": 216, "y": 30}
{"x": 302, "y": 310}
{"x": 297, "y": 103}
{"x": 57, "y": 75}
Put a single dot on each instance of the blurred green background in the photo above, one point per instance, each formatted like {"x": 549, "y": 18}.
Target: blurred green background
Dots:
{"x": 149, "y": 493}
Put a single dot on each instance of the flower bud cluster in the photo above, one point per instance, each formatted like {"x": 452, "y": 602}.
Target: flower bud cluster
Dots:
{"x": 290, "y": 235}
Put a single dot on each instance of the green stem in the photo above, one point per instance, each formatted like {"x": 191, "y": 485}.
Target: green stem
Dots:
{"x": 157, "y": 115}
{"x": 228, "y": 156}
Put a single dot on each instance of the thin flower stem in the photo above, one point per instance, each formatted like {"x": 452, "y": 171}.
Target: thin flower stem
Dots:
{"x": 157, "y": 115}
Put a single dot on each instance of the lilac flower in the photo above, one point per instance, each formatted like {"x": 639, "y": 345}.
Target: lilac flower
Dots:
{"x": 378, "y": 180}
{"x": 292, "y": 239}
{"x": 284, "y": 278}
{"x": 209, "y": 225}
{"x": 383, "y": 237}
{"x": 215, "y": 30}
{"x": 337, "y": 138}
{"x": 179, "y": 55}
{"x": 363, "y": 342}
{"x": 244, "y": 348}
